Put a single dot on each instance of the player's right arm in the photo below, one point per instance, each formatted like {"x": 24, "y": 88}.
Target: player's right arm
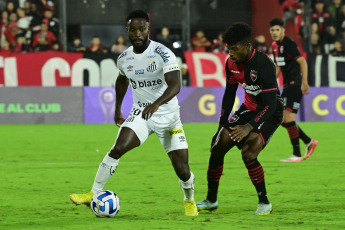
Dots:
{"x": 227, "y": 102}
{"x": 121, "y": 87}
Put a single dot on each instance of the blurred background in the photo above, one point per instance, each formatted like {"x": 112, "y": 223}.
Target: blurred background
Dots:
{"x": 77, "y": 42}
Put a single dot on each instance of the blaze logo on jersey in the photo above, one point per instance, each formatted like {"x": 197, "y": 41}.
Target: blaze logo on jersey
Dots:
{"x": 155, "y": 84}
{"x": 161, "y": 53}
{"x": 233, "y": 119}
{"x": 253, "y": 75}
{"x": 152, "y": 67}
{"x": 175, "y": 131}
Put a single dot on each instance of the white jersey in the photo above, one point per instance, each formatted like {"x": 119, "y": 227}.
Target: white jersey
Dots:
{"x": 145, "y": 73}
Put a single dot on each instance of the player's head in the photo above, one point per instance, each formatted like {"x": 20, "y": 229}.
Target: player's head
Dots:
{"x": 277, "y": 30}
{"x": 238, "y": 39}
{"x": 138, "y": 30}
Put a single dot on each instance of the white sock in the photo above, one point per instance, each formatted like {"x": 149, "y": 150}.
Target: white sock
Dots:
{"x": 188, "y": 188}
{"x": 105, "y": 170}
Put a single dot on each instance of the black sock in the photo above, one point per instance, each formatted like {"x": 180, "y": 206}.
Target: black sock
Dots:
{"x": 214, "y": 172}
{"x": 303, "y": 136}
{"x": 294, "y": 137}
{"x": 257, "y": 176}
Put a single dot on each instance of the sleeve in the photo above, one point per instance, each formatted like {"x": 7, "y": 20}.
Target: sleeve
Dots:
{"x": 291, "y": 50}
{"x": 168, "y": 59}
{"x": 119, "y": 65}
{"x": 269, "y": 93}
{"x": 228, "y": 98}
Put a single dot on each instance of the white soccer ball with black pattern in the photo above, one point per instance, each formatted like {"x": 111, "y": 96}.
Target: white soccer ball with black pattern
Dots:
{"x": 105, "y": 204}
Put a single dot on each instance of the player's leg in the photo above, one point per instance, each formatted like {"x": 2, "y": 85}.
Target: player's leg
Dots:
{"x": 125, "y": 141}
{"x": 221, "y": 146}
{"x": 250, "y": 152}
{"x": 171, "y": 134}
{"x": 179, "y": 160}
{"x": 133, "y": 132}
{"x": 291, "y": 126}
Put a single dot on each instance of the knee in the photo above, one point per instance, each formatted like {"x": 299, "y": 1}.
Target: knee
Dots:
{"x": 248, "y": 155}
{"x": 117, "y": 151}
{"x": 251, "y": 149}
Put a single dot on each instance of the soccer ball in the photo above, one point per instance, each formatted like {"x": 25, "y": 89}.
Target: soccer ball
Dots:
{"x": 105, "y": 204}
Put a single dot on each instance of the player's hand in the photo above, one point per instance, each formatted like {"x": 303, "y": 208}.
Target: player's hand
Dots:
{"x": 149, "y": 111}
{"x": 305, "y": 88}
{"x": 118, "y": 118}
{"x": 240, "y": 131}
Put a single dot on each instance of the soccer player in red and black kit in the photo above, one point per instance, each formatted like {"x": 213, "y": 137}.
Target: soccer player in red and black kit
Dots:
{"x": 295, "y": 74}
{"x": 252, "y": 126}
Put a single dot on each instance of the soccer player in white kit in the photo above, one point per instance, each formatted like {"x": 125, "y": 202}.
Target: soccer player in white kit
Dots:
{"x": 153, "y": 73}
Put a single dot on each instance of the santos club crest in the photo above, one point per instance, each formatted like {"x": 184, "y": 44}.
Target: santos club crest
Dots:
{"x": 253, "y": 75}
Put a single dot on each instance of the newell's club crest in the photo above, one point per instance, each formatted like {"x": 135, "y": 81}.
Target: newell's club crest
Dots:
{"x": 233, "y": 119}
{"x": 253, "y": 75}
{"x": 282, "y": 49}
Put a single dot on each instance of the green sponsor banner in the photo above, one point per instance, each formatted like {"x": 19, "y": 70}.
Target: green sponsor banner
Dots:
{"x": 41, "y": 105}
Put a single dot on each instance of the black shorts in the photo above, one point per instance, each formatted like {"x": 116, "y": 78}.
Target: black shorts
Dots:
{"x": 265, "y": 129}
{"x": 292, "y": 97}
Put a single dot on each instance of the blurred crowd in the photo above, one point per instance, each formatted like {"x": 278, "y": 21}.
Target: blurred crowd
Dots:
{"x": 32, "y": 26}
{"x": 28, "y": 26}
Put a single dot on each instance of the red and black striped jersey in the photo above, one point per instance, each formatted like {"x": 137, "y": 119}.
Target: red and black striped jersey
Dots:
{"x": 285, "y": 55}
{"x": 258, "y": 79}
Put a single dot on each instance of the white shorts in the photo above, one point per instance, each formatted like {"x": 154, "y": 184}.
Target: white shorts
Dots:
{"x": 168, "y": 128}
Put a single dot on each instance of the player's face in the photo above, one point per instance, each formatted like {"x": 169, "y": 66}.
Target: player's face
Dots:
{"x": 277, "y": 33}
{"x": 239, "y": 52}
{"x": 138, "y": 33}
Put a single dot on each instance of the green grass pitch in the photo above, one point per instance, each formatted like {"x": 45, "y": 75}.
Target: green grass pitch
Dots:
{"x": 41, "y": 165}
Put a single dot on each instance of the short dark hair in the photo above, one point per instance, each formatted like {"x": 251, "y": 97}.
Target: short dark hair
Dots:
{"x": 238, "y": 32}
{"x": 276, "y": 22}
{"x": 138, "y": 14}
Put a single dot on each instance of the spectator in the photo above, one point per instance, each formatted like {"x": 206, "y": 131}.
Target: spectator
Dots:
{"x": 166, "y": 38}
{"x": 36, "y": 20}
{"x": 119, "y": 45}
{"x": 27, "y": 8}
{"x": 10, "y": 8}
{"x": 185, "y": 75}
{"x": 42, "y": 44}
{"x": 299, "y": 21}
{"x": 52, "y": 22}
{"x": 316, "y": 44}
{"x": 56, "y": 46}
{"x": 335, "y": 11}
{"x": 23, "y": 22}
{"x": 13, "y": 17}
{"x": 260, "y": 43}
{"x": 337, "y": 50}
{"x": 96, "y": 46}
{"x": 321, "y": 17}
{"x": 76, "y": 46}
{"x": 329, "y": 38}
{"x": 11, "y": 33}
{"x": 200, "y": 42}
{"x": 3, "y": 24}
{"x": 19, "y": 47}
{"x": 218, "y": 46}
{"x": 342, "y": 19}
{"x": 28, "y": 45}
{"x": 290, "y": 7}
{"x": 6, "y": 47}
{"x": 50, "y": 37}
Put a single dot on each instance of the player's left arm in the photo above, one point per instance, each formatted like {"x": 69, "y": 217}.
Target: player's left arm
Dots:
{"x": 269, "y": 97}
{"x": 304, "y": 70}
{"x": 172, "y": 79}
